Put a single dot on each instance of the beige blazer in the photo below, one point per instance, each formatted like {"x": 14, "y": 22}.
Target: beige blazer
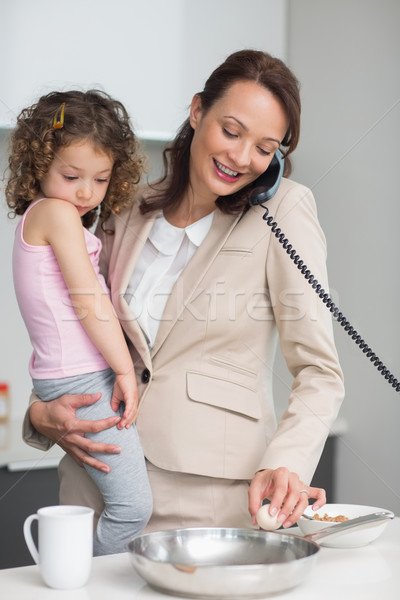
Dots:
{"x": 206, "y": 387}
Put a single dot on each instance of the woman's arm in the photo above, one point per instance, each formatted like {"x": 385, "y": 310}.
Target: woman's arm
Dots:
{"x": 307, "y": 343}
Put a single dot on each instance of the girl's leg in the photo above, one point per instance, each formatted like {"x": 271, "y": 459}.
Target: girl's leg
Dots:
{"x": 77, "y": 487}
{"x": 126, "y": 489}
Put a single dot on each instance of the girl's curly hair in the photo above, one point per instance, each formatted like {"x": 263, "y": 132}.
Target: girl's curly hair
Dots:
{"x": 93, "y": 116}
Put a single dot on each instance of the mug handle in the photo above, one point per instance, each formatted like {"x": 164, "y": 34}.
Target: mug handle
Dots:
{"x": 29, "y": 539}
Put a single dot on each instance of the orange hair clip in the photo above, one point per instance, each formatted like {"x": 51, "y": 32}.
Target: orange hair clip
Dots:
{"x": 58, "y": 121}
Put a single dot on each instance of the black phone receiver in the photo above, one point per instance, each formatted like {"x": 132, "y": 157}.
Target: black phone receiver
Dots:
{"x": 266, "y": 185}
{"x": 263, "y": 189}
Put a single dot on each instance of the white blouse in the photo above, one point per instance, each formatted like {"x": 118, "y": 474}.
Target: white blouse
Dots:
{"x": 165, "y": 254}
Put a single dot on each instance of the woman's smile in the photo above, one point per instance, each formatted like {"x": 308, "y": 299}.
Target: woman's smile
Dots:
{"x": 226, "y": 173}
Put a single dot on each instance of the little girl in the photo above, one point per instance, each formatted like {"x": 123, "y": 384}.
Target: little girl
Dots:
{"x": 74, "y": 155}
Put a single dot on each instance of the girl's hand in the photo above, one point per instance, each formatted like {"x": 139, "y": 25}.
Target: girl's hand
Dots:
{"x": 288, "y": 495}
{"x": 125, "y": 390}
{"x": 57, "y": 421}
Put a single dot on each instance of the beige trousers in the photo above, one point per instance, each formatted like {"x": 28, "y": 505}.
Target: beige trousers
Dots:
{"x": 180, "y": 499}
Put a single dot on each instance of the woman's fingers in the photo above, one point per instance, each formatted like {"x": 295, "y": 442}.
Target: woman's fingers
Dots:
{"x": 294, "y": 506}
{"x": 75, "y": 401}
{"x": 298, "y": 500}
{"x": 288, "y": 495}
{"x": 281, "y": 488}
{"x": 258, "y": 490}
{"x": 88, "y": 445}
{"x": 271, "y": 484}
{"x": 319, "y": 495}
{"x": 84, "y": 450}
{"x": 88, "y": 426}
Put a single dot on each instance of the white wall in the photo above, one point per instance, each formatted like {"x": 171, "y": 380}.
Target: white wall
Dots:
{"x": 153, "y": 54}
{"x": 347, "y": 55}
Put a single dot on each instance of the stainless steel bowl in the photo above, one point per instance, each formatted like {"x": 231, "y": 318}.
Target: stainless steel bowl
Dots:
{"x": 222, "y": 562}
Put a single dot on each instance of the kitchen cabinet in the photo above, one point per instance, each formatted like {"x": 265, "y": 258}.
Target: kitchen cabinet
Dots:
{"x": 21, "y": 494}
{"x": 28, "y": 480}
{"x": 324, "y": 475}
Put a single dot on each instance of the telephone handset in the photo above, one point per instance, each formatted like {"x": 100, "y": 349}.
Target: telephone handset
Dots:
{"x": 264, "y": 188}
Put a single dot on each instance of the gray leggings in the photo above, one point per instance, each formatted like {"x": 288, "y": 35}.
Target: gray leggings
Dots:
{"x": 126, "y": 489}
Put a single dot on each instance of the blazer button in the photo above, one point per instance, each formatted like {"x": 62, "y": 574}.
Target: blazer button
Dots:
{"x": 146, "y": 376}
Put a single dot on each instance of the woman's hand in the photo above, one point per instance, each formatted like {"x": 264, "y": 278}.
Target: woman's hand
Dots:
{"x": 57, "y": 420}
{"x": 288, "y": 495}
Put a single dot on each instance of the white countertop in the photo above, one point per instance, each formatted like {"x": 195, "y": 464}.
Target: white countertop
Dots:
{"x": 367, "y": 573}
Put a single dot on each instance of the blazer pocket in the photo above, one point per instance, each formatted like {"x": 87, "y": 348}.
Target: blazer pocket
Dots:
{"x": 233, "y": 251}
{"x": 220, "y": 393}
{"x": 220, "y": 361}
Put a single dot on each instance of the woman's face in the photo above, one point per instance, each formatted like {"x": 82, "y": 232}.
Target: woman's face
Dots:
{"x": 235, "y": 141}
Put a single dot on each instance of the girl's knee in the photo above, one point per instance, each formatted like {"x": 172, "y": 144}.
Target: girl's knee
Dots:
{"x": 143, "y": 510}
{"x": 136, "y": 511}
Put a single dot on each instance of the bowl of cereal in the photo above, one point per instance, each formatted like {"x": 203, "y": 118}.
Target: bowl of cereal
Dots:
{"x": 330, "y": 515}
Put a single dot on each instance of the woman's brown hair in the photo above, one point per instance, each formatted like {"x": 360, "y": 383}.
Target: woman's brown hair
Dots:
{"x": 244, "y": 65}
{"x": 93, "y": 116}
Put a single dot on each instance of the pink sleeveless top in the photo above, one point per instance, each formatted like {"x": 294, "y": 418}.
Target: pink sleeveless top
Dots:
{"x": 61, "y": 347}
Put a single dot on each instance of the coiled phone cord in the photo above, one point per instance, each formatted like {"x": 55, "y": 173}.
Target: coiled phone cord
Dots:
{"x": 327, "y": 300}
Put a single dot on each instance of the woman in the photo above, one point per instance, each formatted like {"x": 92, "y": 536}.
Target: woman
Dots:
{"x": 203, "y": 291}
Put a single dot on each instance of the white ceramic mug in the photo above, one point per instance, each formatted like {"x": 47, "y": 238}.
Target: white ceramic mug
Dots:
{"x": 65, "y": 544}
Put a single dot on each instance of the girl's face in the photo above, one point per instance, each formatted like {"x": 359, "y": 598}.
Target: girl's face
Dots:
{"x": 79, "y": 174}
{"x": 235, "y": 141}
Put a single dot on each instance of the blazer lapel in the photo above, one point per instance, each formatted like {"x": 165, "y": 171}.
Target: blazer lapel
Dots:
{"x": 188, "y": 282}
{"x": 138, "y": 229}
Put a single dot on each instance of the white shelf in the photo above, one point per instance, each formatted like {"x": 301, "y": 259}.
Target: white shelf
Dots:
{"x": 155, "y": 136}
